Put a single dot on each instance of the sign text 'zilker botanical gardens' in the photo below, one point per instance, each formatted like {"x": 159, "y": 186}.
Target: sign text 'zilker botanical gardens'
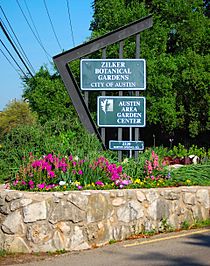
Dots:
{"x": 121, "y": 111}
{"x": 113, "y": 74}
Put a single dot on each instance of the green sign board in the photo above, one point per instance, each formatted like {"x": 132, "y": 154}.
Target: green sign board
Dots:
{"x": 126, "y": 145}
{"x": 121, "y": 111}
{"x": 112, "y": 74}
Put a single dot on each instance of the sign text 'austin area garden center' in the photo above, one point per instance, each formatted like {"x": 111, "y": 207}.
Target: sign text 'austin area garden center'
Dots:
{"x": 121, "y": 111}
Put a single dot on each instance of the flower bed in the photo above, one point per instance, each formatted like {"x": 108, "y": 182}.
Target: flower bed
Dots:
{"x": 57, "y": 173}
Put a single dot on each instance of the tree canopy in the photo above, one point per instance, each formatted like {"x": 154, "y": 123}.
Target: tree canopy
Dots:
{"x": 47, "y": 96}
{"x": 176, "y": 50}
{"x": 16, "y": 113}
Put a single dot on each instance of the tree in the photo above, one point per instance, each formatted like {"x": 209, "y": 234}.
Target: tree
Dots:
{"x": 177, "y": 56}
{"x": 47, "y": 96}
{"x": 15, "y": 114}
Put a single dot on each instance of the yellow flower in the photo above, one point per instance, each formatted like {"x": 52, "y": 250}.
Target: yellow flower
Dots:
{"x": 76, "y": 183}
{"x": 137, "y": 181}
{"x": 188, "y": 181}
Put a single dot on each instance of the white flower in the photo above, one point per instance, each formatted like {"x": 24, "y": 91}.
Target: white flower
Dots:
{"x": 76, "y": 158}
{"x": 62, "y": 183}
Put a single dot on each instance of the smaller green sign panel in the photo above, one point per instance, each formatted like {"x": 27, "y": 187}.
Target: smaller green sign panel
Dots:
{"x": 117, "y": 111}
{"x": 112, "y": 74}
{"x": 126, "y": 145}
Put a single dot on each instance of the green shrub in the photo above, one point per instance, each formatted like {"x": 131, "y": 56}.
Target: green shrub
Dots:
{"x": 59, "y": 137}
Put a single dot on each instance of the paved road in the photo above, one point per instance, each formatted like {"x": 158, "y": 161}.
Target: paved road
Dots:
{"x": 186, "y": 248}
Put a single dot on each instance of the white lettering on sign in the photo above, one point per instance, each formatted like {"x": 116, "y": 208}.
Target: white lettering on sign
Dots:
{"x": 128, "y": 114}
{"x": 128, "y": 121}
{"x": 113, "y": 77}
{"x": 97, "y": 84}
{"x": 125, "y": 84}
{"x": 130, "y": 103}
{"x": 112, "y": 71}
{"x": 113, "y": 64}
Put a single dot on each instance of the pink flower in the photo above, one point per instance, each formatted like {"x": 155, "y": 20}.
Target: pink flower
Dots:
{"x": 15, "y": 182}
{"x": 119, "y": 169}
{"x": 80, "y": 172}
{"x": 99, "y": 183}
{"x": 70, "y": 158}
{"x": 126, "y": 182}
{"x": 41, "y": 186}
{"x": 51, "y": 174}
{"x": 49, "y": 157}
{"x": 115, "y": 176}
{"x": 79, "y": 187}
{"x": 74, "y": 163}
{"x": 31, "y": 184}
{"x": 48, "y": 167}
{"x": 152, "y": 177}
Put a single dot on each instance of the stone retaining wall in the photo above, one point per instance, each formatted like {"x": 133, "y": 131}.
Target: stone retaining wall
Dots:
{"x": 76, "y": 220}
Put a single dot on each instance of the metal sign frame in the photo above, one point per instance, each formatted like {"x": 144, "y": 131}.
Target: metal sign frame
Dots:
{"x": 62, "y": 63}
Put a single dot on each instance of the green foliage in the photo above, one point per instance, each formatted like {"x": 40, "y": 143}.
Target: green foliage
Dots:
{"x": 198, "y": 174}
{"x": 15, "y": 114}
{"x": 60, "y": 137}
{"x": 3, "y": 253}
{"x": 196, "y": 224}
{"x": 177, "y": 56}
{"x": 48, "y": 97}
{"x": 180, "y": 151}
{"x": 165, "y": 226}
{"x": 185, "y": 225}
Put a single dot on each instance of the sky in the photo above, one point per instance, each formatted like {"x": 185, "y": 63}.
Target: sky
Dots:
{"x": 52, "y": 40}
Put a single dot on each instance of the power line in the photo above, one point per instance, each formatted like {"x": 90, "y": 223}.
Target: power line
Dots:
{"x": 13, "y": 58}
{"x": 20, "y": 48}
{"x": 72, "y": 34}
{"x": 6, "y": 34}
{"x": 9, "y": 61}
{"x": 40, "y": 43}
{"x": 52, "y": 25}
{"x": 35, "y": 28}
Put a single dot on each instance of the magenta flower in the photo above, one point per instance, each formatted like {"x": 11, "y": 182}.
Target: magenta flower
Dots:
{"x": 48, "y": 167}
{"x": 51, "y": 174}
{"x": 125, "y": 182}
{"x": 49, "y": 157}
{"x": 70, "y": 158}
{"x": 31, "y": 184}
{"x": 80, "y": 172}
{"x": 15, "y": 182}
{"x": 115, "y": 176}
{"x": 119, "y": 169}
{"x": 152, "y": 177}
{"x": 41, "y": 186}
{"x": 79, "y": 187}
{"x": 99, "y": 183}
